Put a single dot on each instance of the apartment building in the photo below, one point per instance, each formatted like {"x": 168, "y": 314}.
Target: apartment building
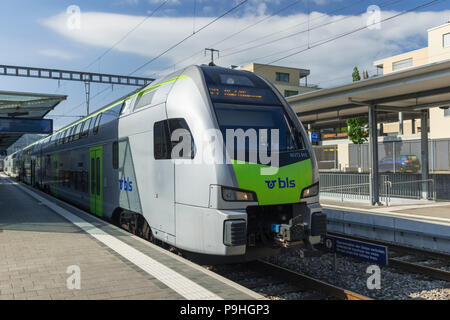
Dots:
{"x": 289, "y": 81}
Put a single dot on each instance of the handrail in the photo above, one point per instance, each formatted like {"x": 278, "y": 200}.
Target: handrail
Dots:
{"x": 388, "y": 185}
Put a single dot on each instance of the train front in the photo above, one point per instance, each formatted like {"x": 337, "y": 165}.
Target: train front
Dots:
{"x": 266, "y": 193}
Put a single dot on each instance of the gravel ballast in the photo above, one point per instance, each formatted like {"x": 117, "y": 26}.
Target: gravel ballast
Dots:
{"x": 351, "y": 274}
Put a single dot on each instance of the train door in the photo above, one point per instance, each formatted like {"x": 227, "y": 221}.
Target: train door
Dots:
{"x": 95, "y": 180}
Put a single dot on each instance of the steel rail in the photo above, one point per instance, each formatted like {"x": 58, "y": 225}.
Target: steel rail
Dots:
{"x": 303, "y": 281}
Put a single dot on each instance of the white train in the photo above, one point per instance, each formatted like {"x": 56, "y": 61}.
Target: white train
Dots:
{"x": 118, "y": 163}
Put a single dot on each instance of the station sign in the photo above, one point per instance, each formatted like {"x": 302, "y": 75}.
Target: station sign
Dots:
{"x": 314, "y": 136}
{"x": 367, "y": 251}
{"x": 25, "y": 125}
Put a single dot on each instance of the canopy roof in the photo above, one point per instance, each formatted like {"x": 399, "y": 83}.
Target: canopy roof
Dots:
{"x": 406, "y": 91}
{"x": 24, "y": 105}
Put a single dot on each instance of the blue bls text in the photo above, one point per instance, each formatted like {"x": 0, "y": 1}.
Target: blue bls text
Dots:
{"x": 126, "y": 184}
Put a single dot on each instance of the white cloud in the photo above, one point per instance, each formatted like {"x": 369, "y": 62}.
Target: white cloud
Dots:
{"x": 55, "y": 53}
{"x": 334, "y": 60}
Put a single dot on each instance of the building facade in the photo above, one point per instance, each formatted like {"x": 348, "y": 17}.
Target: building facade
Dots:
{"x": 438, "y": 50}
{"x": 289, "y": 81}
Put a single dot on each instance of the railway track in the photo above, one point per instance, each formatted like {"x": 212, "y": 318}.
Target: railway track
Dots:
{"x": 432, "y": 264}
{"x": 274, "y": 281}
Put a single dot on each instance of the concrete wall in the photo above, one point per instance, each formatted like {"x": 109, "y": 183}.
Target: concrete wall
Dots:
{"x": 436, "y": 51}
{"x": 439, "y": 124}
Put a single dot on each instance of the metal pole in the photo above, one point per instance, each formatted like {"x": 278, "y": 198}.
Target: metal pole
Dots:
{"x": 373, "y": 145}
{"x": 87, "y": 87}
{"x": 424, "y": 151}
{"x": 400, "y": 123}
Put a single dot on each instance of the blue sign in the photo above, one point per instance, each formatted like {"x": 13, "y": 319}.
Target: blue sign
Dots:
{"x": 357, "y": 249}
{"x": 314, "y": 136}
{"x": 24, "y": 125}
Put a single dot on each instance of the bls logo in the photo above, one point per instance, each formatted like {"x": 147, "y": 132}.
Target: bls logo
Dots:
{"x": 281, "y": 183}
{"x": 126, "y": 184}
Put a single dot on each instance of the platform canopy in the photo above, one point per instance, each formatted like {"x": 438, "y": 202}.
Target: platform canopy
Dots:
{"x": 406, "y": 91}
{"x": 24, "y": 105}
{"x": 412, "y": 91}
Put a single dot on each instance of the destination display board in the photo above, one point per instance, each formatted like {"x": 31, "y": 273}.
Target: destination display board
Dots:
{"x": 243, "y": 95}
{"x": 24, "y": 125}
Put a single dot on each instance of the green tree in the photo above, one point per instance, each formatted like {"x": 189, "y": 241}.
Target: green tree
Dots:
{"x": 357, "y": 133}
{"x": 355, "y": 74}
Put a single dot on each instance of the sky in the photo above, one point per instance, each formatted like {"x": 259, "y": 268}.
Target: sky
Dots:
{"x": 84, "y": 35}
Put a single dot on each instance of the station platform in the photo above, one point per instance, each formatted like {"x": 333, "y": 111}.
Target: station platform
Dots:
{"x": 53, "y": 251}
{"x": 420, "y": 210}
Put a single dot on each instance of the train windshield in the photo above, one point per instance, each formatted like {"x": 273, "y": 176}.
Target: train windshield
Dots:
{"x": 259, "y": 123}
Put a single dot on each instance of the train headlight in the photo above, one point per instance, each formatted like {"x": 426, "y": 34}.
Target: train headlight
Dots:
{"x": 231, "y": 194}
{"x": 311, "y": 191}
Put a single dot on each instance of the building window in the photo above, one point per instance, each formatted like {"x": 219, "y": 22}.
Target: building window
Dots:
{"x": 288, "y": 93}
{"x": 402, "y": 64}
{"x": 282, "y": 77}
{"x": 447, "y": 112}
{"x": 446, "y": 40}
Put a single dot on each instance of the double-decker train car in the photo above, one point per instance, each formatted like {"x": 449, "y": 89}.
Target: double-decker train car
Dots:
{"x": 122, "y": 163}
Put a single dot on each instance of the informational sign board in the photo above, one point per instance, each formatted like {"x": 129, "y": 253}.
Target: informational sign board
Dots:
{"x": 24, "y": 125}
{"x": 314, "y": 136}
{"x": 367, "y": 251}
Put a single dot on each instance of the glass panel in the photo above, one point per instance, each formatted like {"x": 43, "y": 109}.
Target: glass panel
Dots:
{"x": 261, "y": 117}
{"x": 92, "y": 175}
{"x": 160, "y": 142}
{"x": 86, "y": 126}
{"x": 402, "y": 64}
{"x": 97, "y": 172}
{"x": 446, "y": 40}
{"x": 175, "y": 124}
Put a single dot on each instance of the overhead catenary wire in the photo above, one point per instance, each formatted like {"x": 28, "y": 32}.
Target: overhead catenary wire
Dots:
{"x": 236, "y": 33}
{"x": 127, "y": 34}
{"x": 189, "y": 36}
{"x": 296, "y": 25}
{"x": 356, "y": 30}
{"x": 115, "y": 45}
{"x": 301, "y": 32}
{"x": 172, "y": 47}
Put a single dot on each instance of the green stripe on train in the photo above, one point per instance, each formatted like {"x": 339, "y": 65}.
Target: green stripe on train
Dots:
{"x": 287, "y": 184}
{"x": 140, "y": 93}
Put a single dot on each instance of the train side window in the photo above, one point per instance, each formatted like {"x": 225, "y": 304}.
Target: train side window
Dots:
{"x": 96, "y": 123}
{"x": 77, "y": 131}
{"x": 72, "y": 133}
{"x": 69, "y": 134}
{"x": 87, "y": 124}
{"x": 179, "y": 128}
{"x": 115, "y": 154}
{"x": 161, "y": 140}
{"x": 111, "y": 114}
{"x": 64, "y": 137}
{"x": 163, "y": 146}
{"x": 144, "y": 100}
